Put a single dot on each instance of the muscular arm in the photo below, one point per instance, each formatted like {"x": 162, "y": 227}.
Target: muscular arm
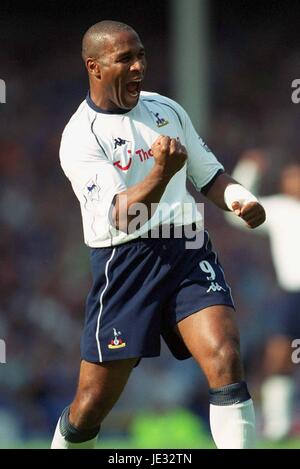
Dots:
{"x": 216, "y": 191}
{"x": 170, "y": 156}
{"x": 252, "y": 212}
{"x": 147, "y": 192}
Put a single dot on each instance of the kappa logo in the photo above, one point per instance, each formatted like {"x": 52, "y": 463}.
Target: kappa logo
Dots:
{"x": 117, "y": 342}
{"x": 160, "y": 121}
{"x": 214, "y": 286}
{"x": 118, "y": 142}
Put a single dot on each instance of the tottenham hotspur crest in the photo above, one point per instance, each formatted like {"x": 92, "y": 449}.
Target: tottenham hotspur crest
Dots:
{"x": 117, "y": 342}
{"x": 160, "y": 121}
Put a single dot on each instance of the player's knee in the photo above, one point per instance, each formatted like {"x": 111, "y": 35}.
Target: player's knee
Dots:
{"x": 226, "y": 357}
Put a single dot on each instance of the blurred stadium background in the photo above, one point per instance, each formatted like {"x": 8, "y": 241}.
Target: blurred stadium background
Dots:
{"x": 248, "y": 56}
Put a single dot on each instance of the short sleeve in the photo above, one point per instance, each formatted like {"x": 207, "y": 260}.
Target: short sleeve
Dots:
{"x": 202, "y": 165}
{"x": 94, "y": 179}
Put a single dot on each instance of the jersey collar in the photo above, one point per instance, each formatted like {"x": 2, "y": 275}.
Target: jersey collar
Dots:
{"x": 102, "y": 111}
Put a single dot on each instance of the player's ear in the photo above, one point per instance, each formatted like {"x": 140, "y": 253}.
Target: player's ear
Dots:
{"x": 93, "y": 67}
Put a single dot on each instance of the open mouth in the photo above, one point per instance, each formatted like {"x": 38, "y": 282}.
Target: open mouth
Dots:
{"x": 134, "y": 88}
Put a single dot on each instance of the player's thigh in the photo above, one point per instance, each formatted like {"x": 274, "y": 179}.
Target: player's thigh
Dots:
{"x": 212, "y": 337}
{"x": 99, "y": 387}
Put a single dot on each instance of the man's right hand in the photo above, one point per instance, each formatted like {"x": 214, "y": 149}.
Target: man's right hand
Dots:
{"x": 169, "y": 154}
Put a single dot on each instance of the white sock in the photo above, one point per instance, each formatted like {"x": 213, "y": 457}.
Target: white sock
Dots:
{"x": 59, "y": 442}
{"x": 277, "y": 394}
{"x": 233, "y": 426}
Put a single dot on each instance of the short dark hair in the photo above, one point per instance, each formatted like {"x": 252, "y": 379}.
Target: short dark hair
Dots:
{"x": 96, "y": 35}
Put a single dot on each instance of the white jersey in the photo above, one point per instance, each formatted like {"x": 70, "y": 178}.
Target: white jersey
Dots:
{"x": 105, "y": 153}
{"x": 282, "y": 225}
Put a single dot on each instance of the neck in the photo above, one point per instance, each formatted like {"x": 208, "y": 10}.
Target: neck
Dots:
{"x": 100, "y": 102}
{"x": 97, "y": 106}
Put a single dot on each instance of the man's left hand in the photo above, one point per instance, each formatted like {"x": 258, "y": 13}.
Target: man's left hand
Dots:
{"x": 252, "y": 213}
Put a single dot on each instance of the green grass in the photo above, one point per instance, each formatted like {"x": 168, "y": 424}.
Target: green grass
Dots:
{"x": 174, "y": 429}
{"x": 114, "y": 444}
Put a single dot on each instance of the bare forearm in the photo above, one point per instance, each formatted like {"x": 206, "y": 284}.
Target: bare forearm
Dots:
{"x": 216, "y": 193}
{"x": 228, "y": 194}
{"x": 170, "y": 156}
{"x": 147, "y": 192}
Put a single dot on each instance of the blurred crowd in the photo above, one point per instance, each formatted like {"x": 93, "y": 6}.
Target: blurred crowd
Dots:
{"x": 44, "y": 269}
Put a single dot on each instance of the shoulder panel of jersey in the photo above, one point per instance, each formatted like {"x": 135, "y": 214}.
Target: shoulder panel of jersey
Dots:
{"x": 203, "y": 166}
{"x": 79, "y": 133}
{"x": 163, "y": 101}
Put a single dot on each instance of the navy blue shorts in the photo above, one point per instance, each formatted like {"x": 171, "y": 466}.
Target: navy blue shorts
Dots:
{"x": 281, "y": 315}
{"x": 141, "y": 290}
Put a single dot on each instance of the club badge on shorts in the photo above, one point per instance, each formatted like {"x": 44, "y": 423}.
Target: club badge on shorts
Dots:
{"x": 116, "y": 342}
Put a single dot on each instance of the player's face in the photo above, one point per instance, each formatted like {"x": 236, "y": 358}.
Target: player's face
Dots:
{"x": 123, "y": 66}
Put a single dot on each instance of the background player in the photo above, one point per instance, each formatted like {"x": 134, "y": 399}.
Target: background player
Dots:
{"x": 282, "y": 313}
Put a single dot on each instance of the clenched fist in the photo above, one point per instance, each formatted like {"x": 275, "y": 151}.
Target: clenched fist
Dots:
{"x": 252, "y": 213}
{"x": 169, "y": 154}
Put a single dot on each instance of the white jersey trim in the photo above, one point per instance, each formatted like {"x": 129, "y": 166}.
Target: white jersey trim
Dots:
{"x": 101, "y": 304}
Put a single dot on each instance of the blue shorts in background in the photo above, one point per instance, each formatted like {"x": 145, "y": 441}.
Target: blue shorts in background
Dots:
{"x": 282, "y": 315}
{"x": 141, "y": 290}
